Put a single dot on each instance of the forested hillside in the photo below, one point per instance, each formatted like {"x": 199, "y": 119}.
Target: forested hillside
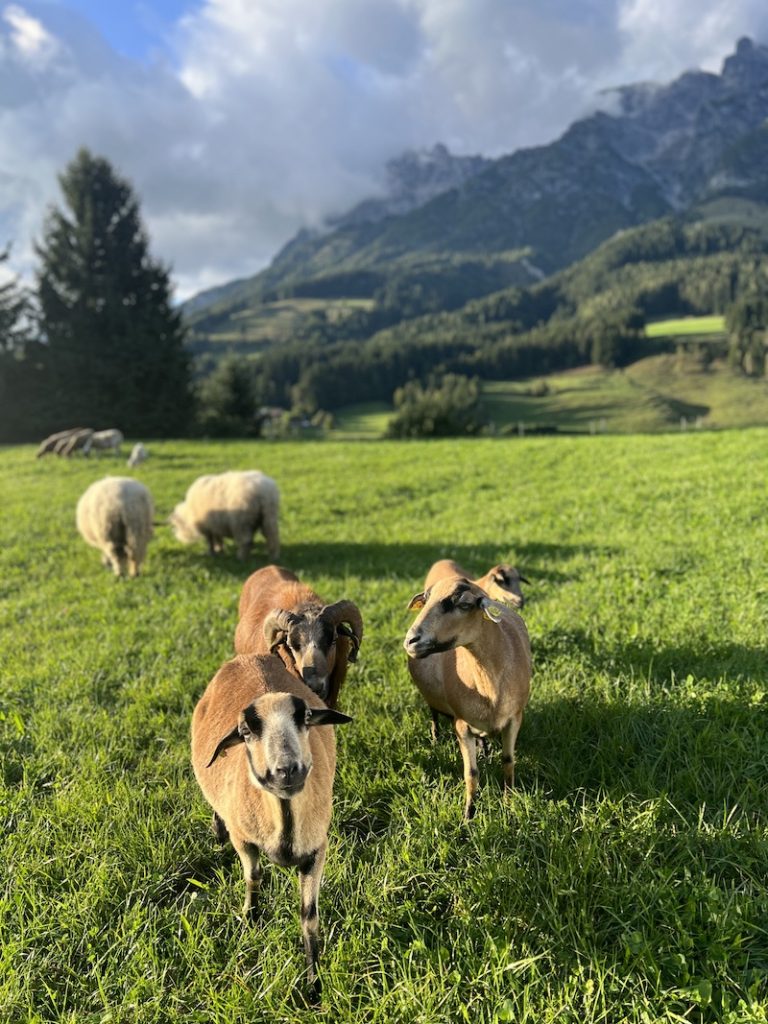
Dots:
{"x": 591, "y": 312}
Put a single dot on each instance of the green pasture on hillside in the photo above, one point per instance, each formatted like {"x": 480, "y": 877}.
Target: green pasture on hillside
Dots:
{"x": 660, "y": 393}
{"x": 684, "y": 326}
{"x": 626, "y": 878}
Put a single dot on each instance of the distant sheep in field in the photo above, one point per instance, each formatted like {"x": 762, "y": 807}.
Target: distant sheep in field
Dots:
{"x": 65, "y": 442}
{"x": 115, "y": 516}
{"x": 233, "y": 504}
{"x": 138, "y": 455}
{"x": 105, "y": 440}
{"x": 316, "y": 641}
{"x": 501, "y": 583}
{"x": 49, "y": 445}
{"x": 267, "y": 771}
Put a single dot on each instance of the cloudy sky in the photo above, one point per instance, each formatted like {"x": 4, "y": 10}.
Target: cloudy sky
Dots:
{"x": 237, "y": 121}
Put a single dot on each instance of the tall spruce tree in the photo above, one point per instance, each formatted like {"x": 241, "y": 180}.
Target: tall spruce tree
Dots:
{"x": 13, "y": 306}
{"x": 115, "y": 342}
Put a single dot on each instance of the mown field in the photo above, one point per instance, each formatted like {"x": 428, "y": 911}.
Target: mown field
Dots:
{"x": 626, "y": 879}
{"x": 684, "y": 326}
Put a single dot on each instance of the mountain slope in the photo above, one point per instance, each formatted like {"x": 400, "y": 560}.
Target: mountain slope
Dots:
{"x": 657, "y": 149}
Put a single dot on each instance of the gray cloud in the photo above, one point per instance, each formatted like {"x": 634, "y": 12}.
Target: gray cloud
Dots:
{"x": 275, "y": 113}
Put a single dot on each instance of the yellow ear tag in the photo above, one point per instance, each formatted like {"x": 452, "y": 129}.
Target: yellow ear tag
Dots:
{"x": 493, "y": 612}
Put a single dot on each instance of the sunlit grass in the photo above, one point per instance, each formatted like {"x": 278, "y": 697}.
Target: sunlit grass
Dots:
{"x": 682, "y": 326}
{"x": 624, "y": 881}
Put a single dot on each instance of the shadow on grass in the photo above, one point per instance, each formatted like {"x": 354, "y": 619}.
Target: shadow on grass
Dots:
{"x": 700, "y": 751}
{"x": 407, "y": 561}
{"x": 665, "y": 666}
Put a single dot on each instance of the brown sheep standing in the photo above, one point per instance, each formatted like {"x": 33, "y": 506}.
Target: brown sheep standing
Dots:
{"x": 268, "y": 775}
{"x": 316, "y": 641}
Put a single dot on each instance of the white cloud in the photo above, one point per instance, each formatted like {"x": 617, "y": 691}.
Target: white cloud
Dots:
{"x": 276, "y": 113}
{"x": 29, "y": 36}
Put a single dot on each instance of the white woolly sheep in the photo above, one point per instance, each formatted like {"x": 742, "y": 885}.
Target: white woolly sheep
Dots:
{"x": 233, "y": 504}
{"x": 470, "y": 658}
{"x": 316, "y": 641}
{"x": 105, "y": 440}
{"x": 272, "y": 793}
{"x": 138, "y": 455}
{"x": 115, "y": 516}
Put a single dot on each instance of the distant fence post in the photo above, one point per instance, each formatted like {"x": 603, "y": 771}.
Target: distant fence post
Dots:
{"x": 520, "y": 428}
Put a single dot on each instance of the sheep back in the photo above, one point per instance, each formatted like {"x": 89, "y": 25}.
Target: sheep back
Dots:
{"x": 115, "y": 515}
{"x": 233, "y": 504}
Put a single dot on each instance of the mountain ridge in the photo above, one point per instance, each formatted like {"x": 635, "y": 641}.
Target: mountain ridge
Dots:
{"x": 665, "y": 149}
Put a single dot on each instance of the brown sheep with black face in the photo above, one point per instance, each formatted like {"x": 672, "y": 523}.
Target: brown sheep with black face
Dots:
{"x": 267, "y": 772}
{"x": 316, "y": 641}
{"x": 470, "y": 658}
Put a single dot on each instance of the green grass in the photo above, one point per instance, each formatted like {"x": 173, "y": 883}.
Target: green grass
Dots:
{"x": 624, "y": 881}
{"x": 685, "y": 326}
{"x": 364, "y": 420}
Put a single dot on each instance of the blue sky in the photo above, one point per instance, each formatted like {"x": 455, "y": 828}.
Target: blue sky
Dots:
{"x": 240, "y": 121}
{"x": 135, "y": 28}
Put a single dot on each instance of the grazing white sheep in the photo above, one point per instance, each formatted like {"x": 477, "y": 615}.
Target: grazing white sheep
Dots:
{"x": 105, "y": 440}
{"x": 138, "y": 455}
{"x": 115, "y": 515}
{"x": 233, "y": 504}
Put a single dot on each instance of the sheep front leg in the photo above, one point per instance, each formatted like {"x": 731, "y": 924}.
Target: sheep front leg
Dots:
{"x": 250, "y": 859}
{"x": 468, "y": 746}
{"x": 310, "y": 875}
{"x": 508, "y": 740}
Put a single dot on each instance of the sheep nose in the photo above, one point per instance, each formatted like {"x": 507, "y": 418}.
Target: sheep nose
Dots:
{"x": 290, "y": 771}
{"x": 316, "y": 681}
{"x": 411, "y": 640}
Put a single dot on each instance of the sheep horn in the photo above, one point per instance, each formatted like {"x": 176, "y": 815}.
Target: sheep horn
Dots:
{"x": 276, "y": 626}
{"x": 346, "y": 612}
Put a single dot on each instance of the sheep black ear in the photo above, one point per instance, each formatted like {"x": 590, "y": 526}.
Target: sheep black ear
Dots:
{"x": 524, "y": 580}
{"x": 230, "y": 740}
{"x": 417, "y": 601}
{"x": 326, "y": 716}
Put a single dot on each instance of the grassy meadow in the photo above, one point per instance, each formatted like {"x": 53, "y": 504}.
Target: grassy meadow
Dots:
{"x": 626, "y": 879}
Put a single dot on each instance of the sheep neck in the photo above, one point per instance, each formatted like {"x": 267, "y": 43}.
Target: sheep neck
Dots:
{"x": 483, "y": 662}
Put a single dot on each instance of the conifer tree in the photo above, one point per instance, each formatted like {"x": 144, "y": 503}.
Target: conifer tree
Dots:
{"x": 115, "y": 341}
{"x": 13, "y": 306}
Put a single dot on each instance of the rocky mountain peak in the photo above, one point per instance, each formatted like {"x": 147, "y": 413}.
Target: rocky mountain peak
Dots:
{"x": 748, "y": 66}
{"x": 412, "y": 179}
